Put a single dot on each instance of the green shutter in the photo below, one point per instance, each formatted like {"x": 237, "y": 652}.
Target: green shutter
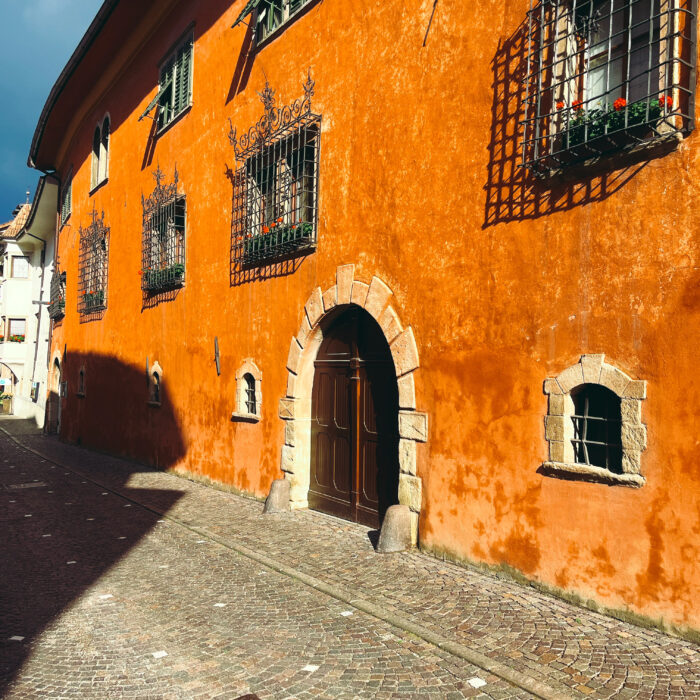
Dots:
{"x": 249, "y": 7}
{"x": 182, "y": 77}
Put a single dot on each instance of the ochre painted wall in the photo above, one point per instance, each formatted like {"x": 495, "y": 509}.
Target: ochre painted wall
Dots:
{"x": 504, "y": 281}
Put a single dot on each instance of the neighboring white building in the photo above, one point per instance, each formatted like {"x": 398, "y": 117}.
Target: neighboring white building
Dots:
{"x": 26, "y": 268}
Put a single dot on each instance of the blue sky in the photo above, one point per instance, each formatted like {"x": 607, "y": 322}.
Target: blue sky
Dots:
{"x": 38, "y": 38}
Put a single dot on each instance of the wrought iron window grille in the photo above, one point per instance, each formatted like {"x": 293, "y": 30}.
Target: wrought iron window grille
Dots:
{"x": 163, "y": 249}
{"x": 597, "y": 423}
{"x": 93, "y": 265}
{"x": 605, "y": 76}
{"x": 275, "y": 201}
{"x": 57, "y": 300}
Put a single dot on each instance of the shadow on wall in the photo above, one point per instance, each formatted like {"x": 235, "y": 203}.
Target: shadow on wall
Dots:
{"x": 513, "y": 193}
{"x": 78, "y": 530}
{"x": 114, "y": 410}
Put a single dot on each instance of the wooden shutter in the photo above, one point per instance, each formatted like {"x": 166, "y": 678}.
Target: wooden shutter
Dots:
{"x": 182, "y": 77}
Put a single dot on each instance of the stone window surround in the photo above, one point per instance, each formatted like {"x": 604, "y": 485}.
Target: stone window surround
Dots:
{"x": 591, "y": 369}
{"x": 241, "y": 412}
{"x": 153, "y": 370}
{"x": 295, "y": 407}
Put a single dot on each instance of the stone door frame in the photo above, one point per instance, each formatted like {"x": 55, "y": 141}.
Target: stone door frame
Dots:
{"x": 295, "y": 408}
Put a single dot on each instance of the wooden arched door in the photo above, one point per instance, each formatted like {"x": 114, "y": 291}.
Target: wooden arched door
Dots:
{"x": 354, "y": 423}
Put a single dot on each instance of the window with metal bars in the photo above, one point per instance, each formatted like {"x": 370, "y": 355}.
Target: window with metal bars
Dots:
{"x": 163, "y": 244}
{"x": 597, "y": 425}
{"x": 93, "y": 266}
{"x": 57, "y": 301}
{"x": 605, "y": 76}
{"x": 276, "y": 186}
{"x": 66, "y": 199}
{"x": 175, "y": 84}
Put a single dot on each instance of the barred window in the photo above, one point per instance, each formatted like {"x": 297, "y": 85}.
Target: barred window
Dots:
{"x": 57, "y": 302}
{"x": 597, "y": 425}
{"x": 163, "y": 253}
{"x": 276, "y": 186}
{"x": 606, "y": 75}
{"x": 175, "y": 84}
{"x": 93, "y": 266}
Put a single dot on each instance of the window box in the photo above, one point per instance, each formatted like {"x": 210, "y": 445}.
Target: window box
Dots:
{"x": 277, "y": 242}
{"x": 94, "y": 300}
{"x": 16, "y": 339}
{"x": 57, "y": 309}
{"x": 605, "y": 77}
{"x": 164, "y": 278}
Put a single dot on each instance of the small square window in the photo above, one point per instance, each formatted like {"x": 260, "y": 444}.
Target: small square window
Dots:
{"x": 20, "y": 266}
{"x": 16, "y": 330}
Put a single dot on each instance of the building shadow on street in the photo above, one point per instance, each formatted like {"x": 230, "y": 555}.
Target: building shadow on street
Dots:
{"x": 66, "y": 523}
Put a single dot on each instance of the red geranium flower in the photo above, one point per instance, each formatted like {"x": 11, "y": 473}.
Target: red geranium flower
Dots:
{"x": 620, "y": 103}
{"x": 279, "y": 221}
{"x": 667, "y": 101}
{"x": 560, "y": 104}
{"x": 577, "y": 105}
{"x": 266, "y": 229}
{"x": 140, "y": 272}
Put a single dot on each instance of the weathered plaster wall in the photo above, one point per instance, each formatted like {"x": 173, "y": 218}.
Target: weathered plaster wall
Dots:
{"x": 505, "y": 283}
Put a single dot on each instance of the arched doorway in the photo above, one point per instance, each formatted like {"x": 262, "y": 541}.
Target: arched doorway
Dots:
{"x": 354, "y": 421}
{"x": 53, "y": 404}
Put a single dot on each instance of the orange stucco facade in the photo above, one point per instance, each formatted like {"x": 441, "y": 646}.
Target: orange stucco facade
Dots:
{"x": 504, "y": 280}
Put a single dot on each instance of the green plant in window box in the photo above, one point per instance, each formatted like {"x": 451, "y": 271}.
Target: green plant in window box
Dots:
{"x": 170, "y": 276}
{"x": 94, "y": 300}
{"x": 16, "y": 338}
{"x": 616, "y": 121}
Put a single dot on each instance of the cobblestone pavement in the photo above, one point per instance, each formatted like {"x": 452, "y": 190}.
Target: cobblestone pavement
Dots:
{"x": 231, "y": 625}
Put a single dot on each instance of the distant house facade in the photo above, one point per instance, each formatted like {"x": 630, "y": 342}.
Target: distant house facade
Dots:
{"x": 26, "y": 271}
{"x": 394, "y": 258}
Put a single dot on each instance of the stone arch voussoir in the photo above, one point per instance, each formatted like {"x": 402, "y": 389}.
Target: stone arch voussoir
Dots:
{"x": 376, "y": 299}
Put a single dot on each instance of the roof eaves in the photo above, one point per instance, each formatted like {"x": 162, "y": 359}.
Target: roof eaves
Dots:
{"x": 85, "y": 43}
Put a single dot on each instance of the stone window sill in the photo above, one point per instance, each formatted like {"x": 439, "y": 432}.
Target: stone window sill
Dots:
{"x": 245, "y": 417}
{"x": 154, "y": 403}
{"x": 586, "y": 472}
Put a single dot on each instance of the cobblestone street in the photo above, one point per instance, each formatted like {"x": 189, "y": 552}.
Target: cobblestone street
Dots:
{"x": 118, "y": 581}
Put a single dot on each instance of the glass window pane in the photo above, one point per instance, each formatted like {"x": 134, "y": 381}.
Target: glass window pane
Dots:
{"x": 20, "y": 267}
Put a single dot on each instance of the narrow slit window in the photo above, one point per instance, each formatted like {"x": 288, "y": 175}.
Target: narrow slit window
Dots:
{"x": 250, "y": 401}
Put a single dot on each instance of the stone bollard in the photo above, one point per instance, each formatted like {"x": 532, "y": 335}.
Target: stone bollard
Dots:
{"x": 277, "y": 500}
{"x": 395, "y": 535}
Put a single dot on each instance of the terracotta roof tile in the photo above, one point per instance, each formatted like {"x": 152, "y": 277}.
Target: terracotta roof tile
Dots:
{"x": 12, "y": 228}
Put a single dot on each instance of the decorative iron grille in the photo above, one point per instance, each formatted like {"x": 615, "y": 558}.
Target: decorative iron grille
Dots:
{"x": 94, "y": 250}
{"x": 606, "y": 76}
{"x": 57, "y": 301}
{"x": 275, "y": 199}
{"x": 163, "y": 251}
